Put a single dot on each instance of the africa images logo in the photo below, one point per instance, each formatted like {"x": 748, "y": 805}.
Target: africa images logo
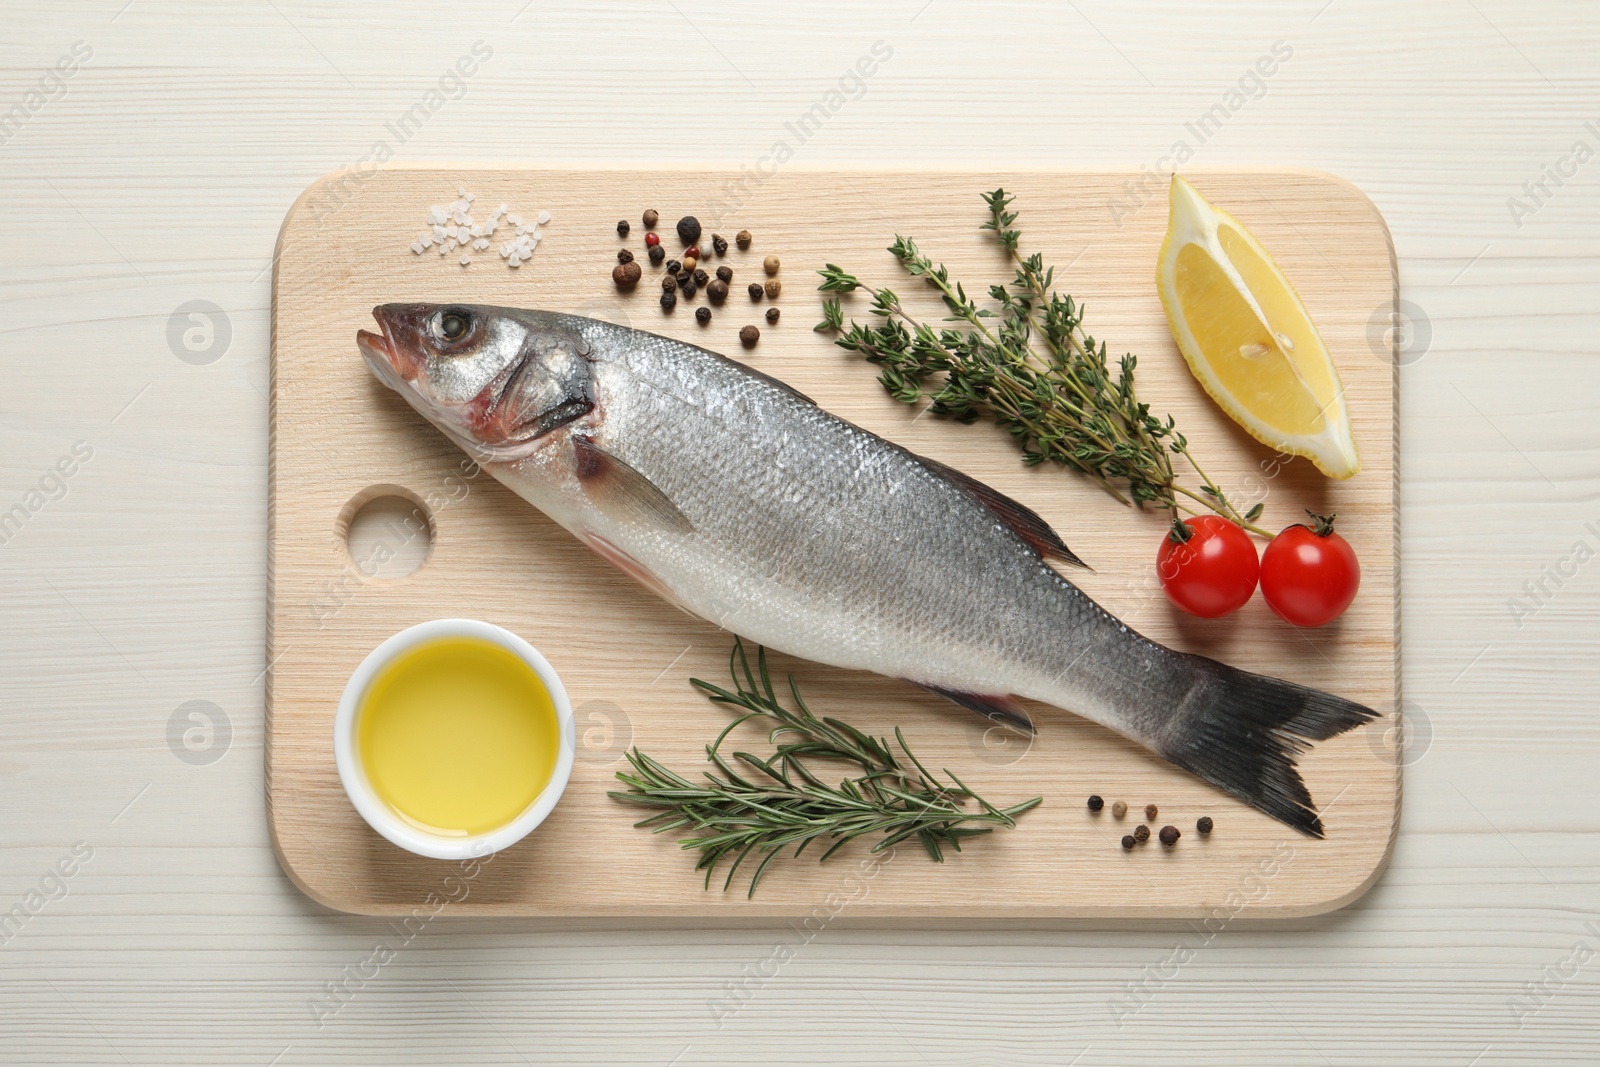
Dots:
{"x": 52, "y": 85}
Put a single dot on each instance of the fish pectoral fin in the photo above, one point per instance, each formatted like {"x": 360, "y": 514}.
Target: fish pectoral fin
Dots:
{"x": 1023, "y": 520}
{"x": 622, "y": 492}
{"x": 1001, "y": 707}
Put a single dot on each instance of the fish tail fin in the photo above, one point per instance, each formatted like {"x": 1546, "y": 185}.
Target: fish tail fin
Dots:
{"x": 1242, "y": 733}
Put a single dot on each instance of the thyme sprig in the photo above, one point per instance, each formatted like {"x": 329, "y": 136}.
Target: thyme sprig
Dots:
{"x": 1028, "y": 364}
{"x": 754, "y": 806}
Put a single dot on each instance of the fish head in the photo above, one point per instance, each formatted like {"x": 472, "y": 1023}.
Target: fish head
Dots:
{"x": 499, "y": 381}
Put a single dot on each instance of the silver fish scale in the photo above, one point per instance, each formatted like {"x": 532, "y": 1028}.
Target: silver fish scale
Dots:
{"x": 820, "y": 539}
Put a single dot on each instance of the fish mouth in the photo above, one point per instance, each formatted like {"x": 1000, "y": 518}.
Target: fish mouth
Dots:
{"x": 383, "y": 354}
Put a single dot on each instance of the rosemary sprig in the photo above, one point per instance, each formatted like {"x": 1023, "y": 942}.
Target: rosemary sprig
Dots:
{"x": 751, "y": 806}
{"x": 1029, "y": 365}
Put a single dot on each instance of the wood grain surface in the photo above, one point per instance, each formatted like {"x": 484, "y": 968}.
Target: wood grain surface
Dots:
{"x": 162, "y": 177}
{"x": 339, "y": 439}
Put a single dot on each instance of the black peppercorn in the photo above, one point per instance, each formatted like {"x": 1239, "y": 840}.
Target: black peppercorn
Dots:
{"x": 651, "y": 217}
{"x": 622, "y": 228}
{"x": 725, "y": 273}
{"x": 1096, "y": 802}
{"x": 1141, "y": 832}
{"x": 749, "y": 336}
{"x": 657, "y": 254}
{"x": 688, "y": 229}
{"x": 1150, "y": 811}
{"x": 702, "y": 315}
{"x": 1203, "y": 824}
{"x": 687, "y": 289}
{"x": 1169, "y": 835}
{"x": 742, "y": 239}
{"x": 624, "y": 256}
{"x": 1128, "y": 841}
{"x": 673, "y": 266}
{"x": 701, "y": 277}
{"x": 683, "y": 276}
{"x": 755, "y": 290}
{"x": 717, "y": 290}
{"x": 719, "y": 244}
{"x": 669, "y": 300}
{"x": 669, "y": 283}
{"x": 772, "y": 314}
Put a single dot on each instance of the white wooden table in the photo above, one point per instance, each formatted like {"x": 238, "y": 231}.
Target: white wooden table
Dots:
{"x": 157, "y": 174}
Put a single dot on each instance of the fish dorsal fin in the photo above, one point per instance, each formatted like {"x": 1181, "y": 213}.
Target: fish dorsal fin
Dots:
{"x": 1023, "y": 520}
{"x": 770, "y": 380}
{"x": 622, "y": 492}
{"x": 1001, "y": 708}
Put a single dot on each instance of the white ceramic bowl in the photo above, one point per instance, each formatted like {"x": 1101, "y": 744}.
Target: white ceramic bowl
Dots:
{"x": 378, "y": 814}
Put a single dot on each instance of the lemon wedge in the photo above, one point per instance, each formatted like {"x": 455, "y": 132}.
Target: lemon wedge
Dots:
{"x": 1248, "y": 338}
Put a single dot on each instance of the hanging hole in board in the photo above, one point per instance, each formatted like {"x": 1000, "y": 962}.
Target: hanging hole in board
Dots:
{"x": 387, "y": 530}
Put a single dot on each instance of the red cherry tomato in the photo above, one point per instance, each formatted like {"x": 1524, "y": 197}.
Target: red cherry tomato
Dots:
{"x": 1309, "y": 574}
{"x": 1213, "y": 572}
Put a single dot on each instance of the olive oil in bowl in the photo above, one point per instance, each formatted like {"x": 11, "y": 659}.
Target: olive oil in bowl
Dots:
{"x": 456, "y": 741}
{"x": 458, "y": 736}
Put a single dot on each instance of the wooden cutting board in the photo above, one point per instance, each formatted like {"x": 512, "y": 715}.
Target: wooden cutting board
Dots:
{"x": 339, "y": 439}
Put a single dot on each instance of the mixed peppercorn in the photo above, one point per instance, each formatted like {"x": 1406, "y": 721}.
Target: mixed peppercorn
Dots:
{"x": 1167, "y": 835}
{"x": 685, "y": 278}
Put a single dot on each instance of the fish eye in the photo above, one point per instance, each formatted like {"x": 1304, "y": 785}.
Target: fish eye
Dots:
{"x": 454, "y": 324}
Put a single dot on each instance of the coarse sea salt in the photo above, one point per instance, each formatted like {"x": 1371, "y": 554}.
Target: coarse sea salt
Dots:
{"x": 451, "y": 227}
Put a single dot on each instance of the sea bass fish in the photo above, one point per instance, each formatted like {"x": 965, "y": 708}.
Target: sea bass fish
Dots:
{"x": 739, "y": 499}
